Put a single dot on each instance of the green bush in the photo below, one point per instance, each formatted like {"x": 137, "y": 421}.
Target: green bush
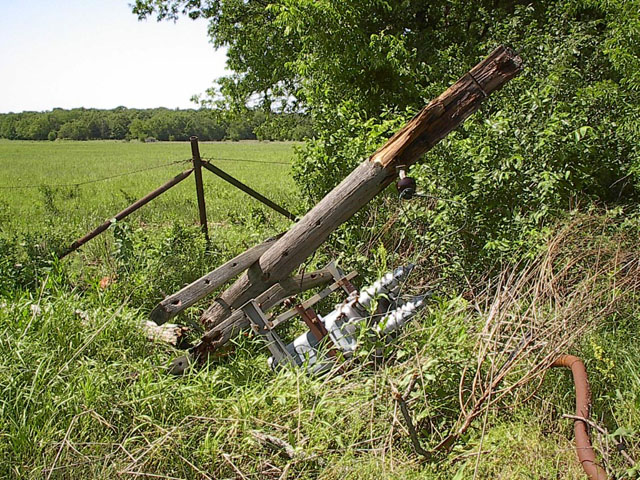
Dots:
{"x": 560, "y": 136}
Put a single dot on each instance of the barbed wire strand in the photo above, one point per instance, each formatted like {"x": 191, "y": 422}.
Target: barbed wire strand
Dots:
{"x": 247, "y": 160}
{"x": 95, "y": 180}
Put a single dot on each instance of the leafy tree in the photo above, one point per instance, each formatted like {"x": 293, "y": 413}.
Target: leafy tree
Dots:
{"x": 118, "y": 123}
{"x": 160, "y": 123}
{"x": 137, "y": 129}
{"x": 285, "y": 126}
{"x": 74, "y": 130}
{"x": 97, "y": 125}
{"x": 8, "y": 126}
{"x": 32, "y": 126}
{"x": 563, "y": 133}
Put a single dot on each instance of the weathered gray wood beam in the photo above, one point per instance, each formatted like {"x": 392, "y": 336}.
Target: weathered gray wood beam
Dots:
{"x": 272, "y": 296}
{"x": 189, "y": 295}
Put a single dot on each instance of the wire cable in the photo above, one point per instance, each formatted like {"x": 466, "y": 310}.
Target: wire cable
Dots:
{"x": 246, "y": 160}
{"x": 95, "y": 180}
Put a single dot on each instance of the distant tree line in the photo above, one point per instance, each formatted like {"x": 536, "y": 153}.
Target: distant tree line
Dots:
{"x": 164, "y": 124}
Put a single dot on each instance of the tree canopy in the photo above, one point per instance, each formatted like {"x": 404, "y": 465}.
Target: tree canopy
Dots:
{"x": 562, "y": 134}
{"x": 157, "y": 123}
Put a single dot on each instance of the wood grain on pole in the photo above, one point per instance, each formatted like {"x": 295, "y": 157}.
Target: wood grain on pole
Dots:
{"x": 425, "y": 130}
{"x": 189, "y": 295}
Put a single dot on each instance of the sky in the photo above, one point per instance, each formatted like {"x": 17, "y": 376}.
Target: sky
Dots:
{"x": 96, "y": 54}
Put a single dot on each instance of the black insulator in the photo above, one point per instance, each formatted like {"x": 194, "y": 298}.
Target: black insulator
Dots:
{"x": 406, "y": 188}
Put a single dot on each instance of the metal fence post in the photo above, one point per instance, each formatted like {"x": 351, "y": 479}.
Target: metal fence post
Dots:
{"x": 130, "y": 209}
{"x": 197, "y": 169}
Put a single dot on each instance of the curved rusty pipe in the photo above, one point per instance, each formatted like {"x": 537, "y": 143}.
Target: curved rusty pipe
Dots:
{"x": 584, "y": 449}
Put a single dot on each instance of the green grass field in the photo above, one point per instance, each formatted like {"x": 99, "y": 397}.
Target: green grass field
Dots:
{"x": 84, "y": 395}
{"x": 53, "y": 214}
{"x": 42, "y": 163}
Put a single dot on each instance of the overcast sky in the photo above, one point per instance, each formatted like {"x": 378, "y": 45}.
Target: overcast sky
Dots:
{"x": 95, "y": 53}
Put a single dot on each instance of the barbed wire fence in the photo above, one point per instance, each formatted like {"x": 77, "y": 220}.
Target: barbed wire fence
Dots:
{"x": 198, "y": 164}
{"x": 133, "y": 172}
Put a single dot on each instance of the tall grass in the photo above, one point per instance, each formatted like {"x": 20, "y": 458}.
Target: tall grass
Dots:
{"x": 83, "y": 393}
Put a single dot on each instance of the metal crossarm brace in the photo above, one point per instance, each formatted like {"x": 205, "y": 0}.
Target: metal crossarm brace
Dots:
{"x": 341, "y": 279}
{"x": 283, "y": 317}
{"x": 262, "y": 326}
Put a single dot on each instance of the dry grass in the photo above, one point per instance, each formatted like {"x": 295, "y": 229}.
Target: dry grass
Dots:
{"x": 534, "y": 312}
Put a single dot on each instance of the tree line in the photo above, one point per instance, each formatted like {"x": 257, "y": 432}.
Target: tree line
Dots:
{"x": 163, "y": 124}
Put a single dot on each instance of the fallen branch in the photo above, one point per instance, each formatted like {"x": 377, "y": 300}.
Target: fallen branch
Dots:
{"x": 276, "y": 443}
{"x": 401, "y": 400}
{"x": 168, "y": 333}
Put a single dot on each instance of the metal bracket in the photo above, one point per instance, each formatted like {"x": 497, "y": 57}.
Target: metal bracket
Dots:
{"x": 262, "y": 326}
{"x": 316, "y": 327}
{"x": 341, "y": 279}
{"x": 283, "y": 317}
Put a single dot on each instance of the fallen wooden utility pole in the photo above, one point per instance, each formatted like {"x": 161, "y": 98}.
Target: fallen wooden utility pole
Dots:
{"x": 425, "y": 130}
{"x": 266, "y": 300}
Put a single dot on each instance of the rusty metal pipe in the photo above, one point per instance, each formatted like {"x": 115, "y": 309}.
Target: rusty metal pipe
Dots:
{"x": 584, "y": 449}
{"x": 197, "y": 171}
{"x": 130, "y": 209}
{"x": 248, "y": 190}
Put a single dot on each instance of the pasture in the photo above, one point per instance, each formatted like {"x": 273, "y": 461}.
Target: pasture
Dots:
{"x": 48, "y": 170}
{"x": 40, "y": 203}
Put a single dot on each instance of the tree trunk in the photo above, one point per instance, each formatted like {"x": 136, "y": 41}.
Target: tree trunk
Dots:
{"x": 425, "y": 130}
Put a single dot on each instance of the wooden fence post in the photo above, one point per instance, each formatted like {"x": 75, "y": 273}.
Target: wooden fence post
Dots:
{"x": 197, "y": 169}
